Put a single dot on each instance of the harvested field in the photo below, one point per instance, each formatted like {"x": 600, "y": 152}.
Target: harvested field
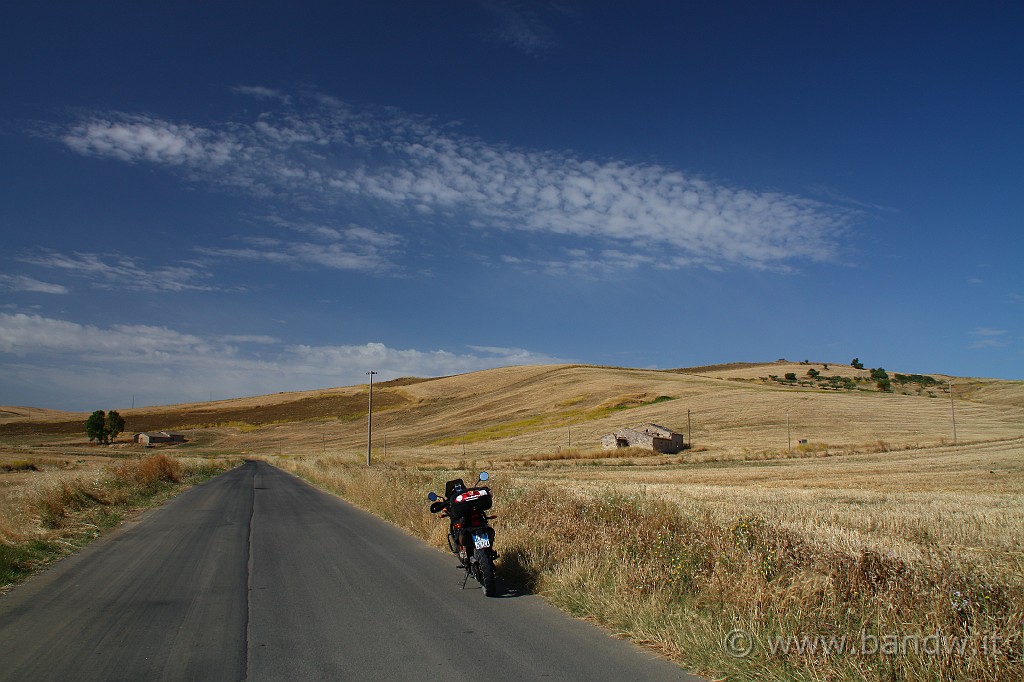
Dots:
{"x": 523, "y": 412}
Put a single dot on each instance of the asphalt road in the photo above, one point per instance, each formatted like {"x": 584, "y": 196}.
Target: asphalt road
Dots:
{"x": 256, "y": 575}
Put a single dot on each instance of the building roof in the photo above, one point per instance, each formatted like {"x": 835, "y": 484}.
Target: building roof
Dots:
{"x": 652, "y": 429}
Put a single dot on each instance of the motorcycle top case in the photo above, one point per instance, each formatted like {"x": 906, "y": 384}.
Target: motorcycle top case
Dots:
{"x": 473, "y": 500}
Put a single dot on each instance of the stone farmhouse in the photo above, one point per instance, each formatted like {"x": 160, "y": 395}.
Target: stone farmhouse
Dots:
{"x": 159, "y": 437}
{"x": 647, "y": 436}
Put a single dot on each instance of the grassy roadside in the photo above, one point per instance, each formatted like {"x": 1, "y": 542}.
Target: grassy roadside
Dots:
{"x": 51, "y": 520}
{"x": 744, "y": 597}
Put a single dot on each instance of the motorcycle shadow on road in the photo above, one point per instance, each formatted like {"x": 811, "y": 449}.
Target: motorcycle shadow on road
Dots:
{"x": 514, "y": 578}
{"x": 506, "y": 589}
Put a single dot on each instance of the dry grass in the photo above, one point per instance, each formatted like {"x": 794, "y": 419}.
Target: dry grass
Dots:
{"x": 884, "y": 544}
{"x": 55, "y": 509}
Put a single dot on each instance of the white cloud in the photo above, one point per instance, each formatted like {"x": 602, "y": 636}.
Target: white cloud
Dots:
{"x": 125, "y": 273}
{"x": 26, "y": 335}
{"x": 594, "y": 264}
{"x": 348, "y": 247}
{"x": 51, "y": 356}
{"x": 24, "y": 283}
{"x": 135, "y": 138}
{"x": 250, "y": 338}
{"x": 393, "y": 363}
{"x": 989, "y": 337}
{"x": 260, "y": 92}
{"x": 323, "y": 155}
{"x": 334, "y": 256}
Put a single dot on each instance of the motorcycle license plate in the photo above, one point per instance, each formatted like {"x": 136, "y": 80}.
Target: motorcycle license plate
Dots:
{"x": 481, "y": 540}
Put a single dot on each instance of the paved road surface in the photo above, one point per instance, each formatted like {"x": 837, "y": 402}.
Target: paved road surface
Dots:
{"x": 256, "y": 575}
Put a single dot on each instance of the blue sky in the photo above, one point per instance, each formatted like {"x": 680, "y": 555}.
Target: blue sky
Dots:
{"x": 221, "y": 199}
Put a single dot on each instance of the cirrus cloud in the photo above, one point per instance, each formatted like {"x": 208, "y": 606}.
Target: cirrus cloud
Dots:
{"x": 30, "y": 284}
{"x": 316, "y": 153}
{"x": 122, "y": 272}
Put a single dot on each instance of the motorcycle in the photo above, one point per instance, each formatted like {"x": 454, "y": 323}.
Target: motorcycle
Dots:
{"x": 470, "y": 536}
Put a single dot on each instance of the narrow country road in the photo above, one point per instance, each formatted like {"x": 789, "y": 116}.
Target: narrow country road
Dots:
{"x": 256, "y": 575}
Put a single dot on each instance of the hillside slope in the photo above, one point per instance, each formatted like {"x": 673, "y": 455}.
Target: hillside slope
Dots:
{"x": 520, "y": 411}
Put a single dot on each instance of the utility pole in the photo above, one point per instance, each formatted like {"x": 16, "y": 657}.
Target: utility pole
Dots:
{"x": 952, "y": 410}
{"x": 570, "y": 436}
{"x": 689, "y": 433}
{"x": 369, "y": 419}
{"x": 789, "y": 434}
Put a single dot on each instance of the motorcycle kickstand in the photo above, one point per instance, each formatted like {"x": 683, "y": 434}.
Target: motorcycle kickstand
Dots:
{"x": 466, "y": 579}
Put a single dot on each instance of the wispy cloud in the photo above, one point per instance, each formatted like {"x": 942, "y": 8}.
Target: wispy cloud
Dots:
{"x": 321, "y": 154}
{"x": 832, "y": 195}
{"x": 392, "y": 363}
{"x": 140, "y": 138}
{"x": 260, "y": 92}
{"x": 122, "y": 272}
{"x": 519, "y": 26}
{"x": 350, "y": 247}
{"x": 987, "y": 337}
{"x": 171, "y": 364}
{"x": 25, "y": 283}
{"x": 592, "y": 263}
{"x": 332, "y": 256}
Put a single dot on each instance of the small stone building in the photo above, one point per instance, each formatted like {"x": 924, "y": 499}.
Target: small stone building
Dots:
{"x": 647, "y": 436}
{"x": 149, "y": 438}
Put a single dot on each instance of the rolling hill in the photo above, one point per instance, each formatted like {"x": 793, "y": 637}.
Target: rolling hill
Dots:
{"x": 516, "y": 412}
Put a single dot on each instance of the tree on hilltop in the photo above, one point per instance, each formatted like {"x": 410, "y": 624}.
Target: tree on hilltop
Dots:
{"x": 881, "y": 378}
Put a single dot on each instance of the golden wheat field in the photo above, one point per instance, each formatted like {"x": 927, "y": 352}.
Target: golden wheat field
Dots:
{"x": 819, "y": 505}
{"x": 516, "y": 412}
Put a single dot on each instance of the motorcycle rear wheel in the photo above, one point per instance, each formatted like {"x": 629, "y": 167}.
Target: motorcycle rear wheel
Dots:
{"x": 486, "y": 576}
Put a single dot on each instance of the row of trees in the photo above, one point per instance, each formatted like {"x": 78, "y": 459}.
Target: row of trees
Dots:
{"x": 878, "y": 374}
{"x": 103, "y": 427}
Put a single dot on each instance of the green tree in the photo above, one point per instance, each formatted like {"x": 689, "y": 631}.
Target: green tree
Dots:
{"x": 102, "y": 427}
{"x": 115, "y": 424}
{"x": 96, "y": 426}
{"x": 857, "y": 364}
{"x": 813, "y": 373}
{"x": 790, "y": 376}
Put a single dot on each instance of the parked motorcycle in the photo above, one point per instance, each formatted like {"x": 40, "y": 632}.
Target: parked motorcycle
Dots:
{"x": 470, "y": 536}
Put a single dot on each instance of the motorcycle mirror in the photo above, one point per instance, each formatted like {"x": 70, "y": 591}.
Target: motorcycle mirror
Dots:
{"x": 484, "y": 475}
{"x": 432, "y": 497}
